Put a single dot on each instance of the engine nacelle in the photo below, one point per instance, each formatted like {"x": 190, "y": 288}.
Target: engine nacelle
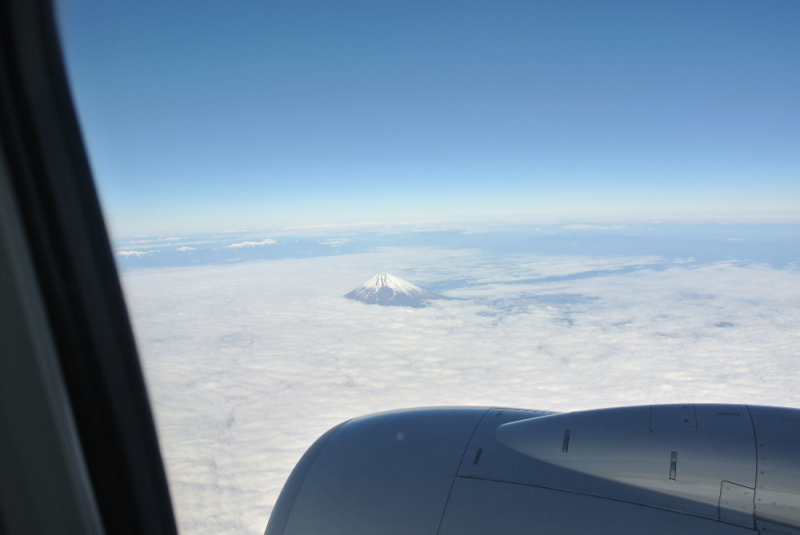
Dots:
{"x": 459, "y": 471}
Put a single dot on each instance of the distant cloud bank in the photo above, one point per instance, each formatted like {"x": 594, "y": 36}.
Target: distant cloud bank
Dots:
{"x": 251, "y": 244}
{"x": 153, "y": 241}
{"x": 133, "y": 253}
{"x": 595, "y": 227}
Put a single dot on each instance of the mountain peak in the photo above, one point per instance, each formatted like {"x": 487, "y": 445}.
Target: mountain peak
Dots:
{"x": 387, "y": 290}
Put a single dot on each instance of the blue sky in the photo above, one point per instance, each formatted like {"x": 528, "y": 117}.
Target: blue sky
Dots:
{"x": 216, "y": 115}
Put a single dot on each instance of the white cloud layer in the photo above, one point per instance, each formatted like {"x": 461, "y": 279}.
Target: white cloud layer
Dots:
{"x": 247, "y": 364}
{"x": 152, "y": 240}
{"x": 133, "y": 253}
{"x": 251, "y": 244}
{"x": 594, "y": 227}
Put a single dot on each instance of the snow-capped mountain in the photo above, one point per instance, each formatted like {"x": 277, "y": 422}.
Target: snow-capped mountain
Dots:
{"x": 388, "y": 290}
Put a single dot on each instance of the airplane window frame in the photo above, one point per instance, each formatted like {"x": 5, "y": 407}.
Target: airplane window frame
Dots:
{"x": 50, "y": 188}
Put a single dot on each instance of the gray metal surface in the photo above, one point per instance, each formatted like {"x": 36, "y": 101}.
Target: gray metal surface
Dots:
{"x": 736, "y": 504}
{"x": 479, "y": 507}
{"x": 777, "y": 498}
{"x": 614, "y": 454}
{"x": 652, "y": 469}
{"x": 386, "y": 474}
{"x": 673, "y": 418}
{"x": 283, "y": 507}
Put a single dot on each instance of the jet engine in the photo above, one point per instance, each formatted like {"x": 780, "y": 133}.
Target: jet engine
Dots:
{"x": 694, "y": 468}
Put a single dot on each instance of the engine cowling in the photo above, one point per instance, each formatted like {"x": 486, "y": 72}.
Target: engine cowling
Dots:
{"x": 649, "y": 469}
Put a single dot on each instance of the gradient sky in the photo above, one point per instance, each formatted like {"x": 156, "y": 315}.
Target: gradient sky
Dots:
{"x": 210, "y": 115}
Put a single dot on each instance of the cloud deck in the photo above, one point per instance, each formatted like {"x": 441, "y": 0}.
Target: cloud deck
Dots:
{"x": 248, "y": 363}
